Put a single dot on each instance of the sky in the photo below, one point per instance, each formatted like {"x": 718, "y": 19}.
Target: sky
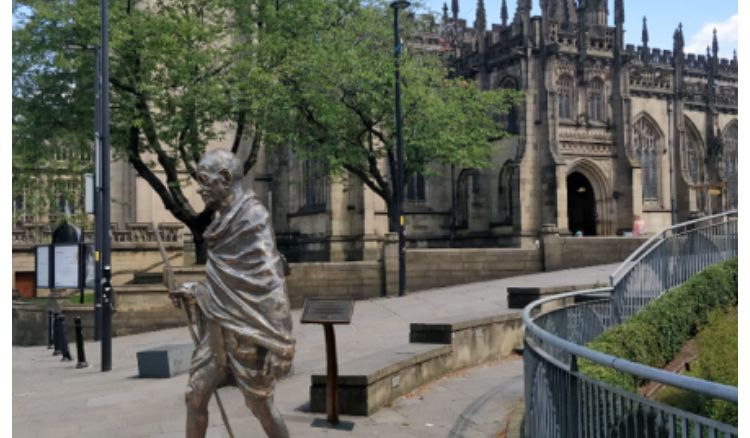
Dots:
{"x": 698, "y": 17}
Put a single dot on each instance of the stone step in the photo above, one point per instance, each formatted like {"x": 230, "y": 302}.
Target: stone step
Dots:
{"x": 370, "y": 382}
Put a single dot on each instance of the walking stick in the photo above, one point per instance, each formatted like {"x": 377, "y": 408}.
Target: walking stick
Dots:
{"x": 172, "y": 287}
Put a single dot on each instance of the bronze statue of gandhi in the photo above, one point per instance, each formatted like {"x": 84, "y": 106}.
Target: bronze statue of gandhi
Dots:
{"x": 245, "y": 324}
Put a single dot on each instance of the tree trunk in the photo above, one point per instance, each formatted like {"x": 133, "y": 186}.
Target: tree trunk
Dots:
{"x": 198, "y": 226}
{"x": 393, "y": 218}
{"x": 200, "y": 246}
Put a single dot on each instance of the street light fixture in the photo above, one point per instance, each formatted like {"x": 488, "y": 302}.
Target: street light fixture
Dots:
{"x": 399, "y": 192}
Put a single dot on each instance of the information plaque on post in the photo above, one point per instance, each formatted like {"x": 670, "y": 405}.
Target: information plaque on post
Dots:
{"x": 328, "y": 312}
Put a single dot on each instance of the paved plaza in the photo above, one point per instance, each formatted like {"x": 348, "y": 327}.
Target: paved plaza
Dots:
{"x": 53, "y": 399}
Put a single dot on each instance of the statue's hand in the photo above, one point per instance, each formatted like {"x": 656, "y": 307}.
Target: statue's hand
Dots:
{"x": 186, "y": 292}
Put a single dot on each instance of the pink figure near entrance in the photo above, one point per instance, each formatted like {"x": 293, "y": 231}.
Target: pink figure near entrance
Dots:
{"x": 638, "y": 226}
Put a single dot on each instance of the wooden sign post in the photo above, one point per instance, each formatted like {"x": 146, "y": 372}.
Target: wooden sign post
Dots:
{"x": 329, "y": 312}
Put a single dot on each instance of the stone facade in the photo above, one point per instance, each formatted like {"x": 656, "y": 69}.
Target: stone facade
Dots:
{"x": 606, "y": 132}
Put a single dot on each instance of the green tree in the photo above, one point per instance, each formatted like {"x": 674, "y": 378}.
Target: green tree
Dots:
{"x": 340, "y": 90}
{"x": 182, "y": 74}
{"x": 316, "y": 75}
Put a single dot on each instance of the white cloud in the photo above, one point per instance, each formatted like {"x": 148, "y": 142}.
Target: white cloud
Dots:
{"x": 727, "y": 33}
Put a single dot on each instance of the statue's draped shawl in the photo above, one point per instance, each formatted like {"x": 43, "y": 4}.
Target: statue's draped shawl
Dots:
{"x": 245, "y": 290}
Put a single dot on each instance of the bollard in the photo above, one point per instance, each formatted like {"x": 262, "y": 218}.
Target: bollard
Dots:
{"x": 79, "y": 344}
{"x": 64, "y": 340}
{"x": 50, "y": 322}
{"x": 56, "y": 334}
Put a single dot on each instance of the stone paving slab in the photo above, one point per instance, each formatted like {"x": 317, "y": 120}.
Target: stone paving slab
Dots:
{"x": 53, "y": 399}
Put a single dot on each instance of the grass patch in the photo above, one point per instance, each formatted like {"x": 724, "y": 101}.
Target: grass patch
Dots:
{"x": 717, "y": 361}
{"x": 88, "y": 299}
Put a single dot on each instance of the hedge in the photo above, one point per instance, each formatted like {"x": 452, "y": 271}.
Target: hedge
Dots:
{"x": 657, "y": 333}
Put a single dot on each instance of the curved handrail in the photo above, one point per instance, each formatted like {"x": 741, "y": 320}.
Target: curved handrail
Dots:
{"x": 644, "y": 249}
{"x": 717, "y": 390}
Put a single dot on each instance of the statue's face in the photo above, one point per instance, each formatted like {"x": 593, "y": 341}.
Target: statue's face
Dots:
{"x": 213, "y": 186}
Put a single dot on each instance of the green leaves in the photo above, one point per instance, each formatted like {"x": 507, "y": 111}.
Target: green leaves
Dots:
{"x": 339, "y": 96}
{"x": 314, "y": 75}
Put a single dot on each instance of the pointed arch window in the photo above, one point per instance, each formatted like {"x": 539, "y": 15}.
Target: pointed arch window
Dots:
{"x": 729, "y": 159}
{"x": 511, "y": 119}
{"x": 646, "y": 149}
{"x": 596, "y": 100}
{"x": 566, "y": 99}
{"x": 692, "y": 155}
{"x": 505, "y": 194}
{"x": 463, "y": 197}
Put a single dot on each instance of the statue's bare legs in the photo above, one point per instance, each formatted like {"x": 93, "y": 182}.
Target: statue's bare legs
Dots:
{"x": 270, "y": 418}
{"x": 200, "y": 389}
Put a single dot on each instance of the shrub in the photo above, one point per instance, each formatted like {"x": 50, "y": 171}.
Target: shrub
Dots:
{"x": 655, "y": 335}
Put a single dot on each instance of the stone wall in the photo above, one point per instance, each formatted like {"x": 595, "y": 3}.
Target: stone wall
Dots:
{"x": 428, "y": 268}
{"x": 355, "y": 280}
{"x": 30, "y": 322}
{"x": 577, "y": 252}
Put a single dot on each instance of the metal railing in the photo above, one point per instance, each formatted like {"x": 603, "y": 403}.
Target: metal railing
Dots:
{"x": 562, "y": 402}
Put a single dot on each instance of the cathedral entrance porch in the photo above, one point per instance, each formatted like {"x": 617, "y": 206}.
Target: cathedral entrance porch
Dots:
{"x": 581, "y": 205}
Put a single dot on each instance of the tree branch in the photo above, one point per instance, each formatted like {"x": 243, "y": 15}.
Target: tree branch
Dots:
{"x": 166, "y": 162}
{"x": 147, "y": 174}
{"x": 239, "y": 131}
{"x": 253, "y": 155}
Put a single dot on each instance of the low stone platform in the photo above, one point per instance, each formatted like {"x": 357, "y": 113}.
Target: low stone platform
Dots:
{"x": 520, "y": 297}
{"x": 370, "y": 382}
{"x": 437, "y": 347}
{"x": 164, "y": 361}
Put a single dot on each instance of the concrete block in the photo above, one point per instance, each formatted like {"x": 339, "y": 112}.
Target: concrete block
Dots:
{"x": 165, "y": 361}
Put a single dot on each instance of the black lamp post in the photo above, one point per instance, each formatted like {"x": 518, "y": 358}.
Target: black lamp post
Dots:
{"x": 399, "y": 192}
{"x": 98, "y": 225}
{"x": 104, "y": 258}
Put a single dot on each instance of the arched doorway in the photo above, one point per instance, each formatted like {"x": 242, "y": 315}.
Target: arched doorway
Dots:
{"x": 581, "y": 205}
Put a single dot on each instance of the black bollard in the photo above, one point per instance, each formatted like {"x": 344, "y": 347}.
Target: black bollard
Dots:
{"x": 56, "y": 335}
{"x": 64, "y": 341}
{"x": 79, "y": 344}
{"x": 50, "y": 322}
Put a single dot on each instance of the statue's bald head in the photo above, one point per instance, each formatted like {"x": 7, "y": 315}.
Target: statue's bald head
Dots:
{"x": 222, "y": 160}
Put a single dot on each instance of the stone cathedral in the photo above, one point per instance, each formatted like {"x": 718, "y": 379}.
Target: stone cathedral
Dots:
{"x": 606, "y": 132}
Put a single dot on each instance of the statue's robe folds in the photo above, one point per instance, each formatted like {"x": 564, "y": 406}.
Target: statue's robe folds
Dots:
{"x": 245, "y": 295}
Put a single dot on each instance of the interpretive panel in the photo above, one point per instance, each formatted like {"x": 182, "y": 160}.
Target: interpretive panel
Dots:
{"x": 42, "y": 266}
{"x": 321, "y": 310}
{"x": 66, "y": 267}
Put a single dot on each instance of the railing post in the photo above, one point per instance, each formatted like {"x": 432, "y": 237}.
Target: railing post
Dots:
{"x": 573, "y": 398}
{"x": 726, "y": 237}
